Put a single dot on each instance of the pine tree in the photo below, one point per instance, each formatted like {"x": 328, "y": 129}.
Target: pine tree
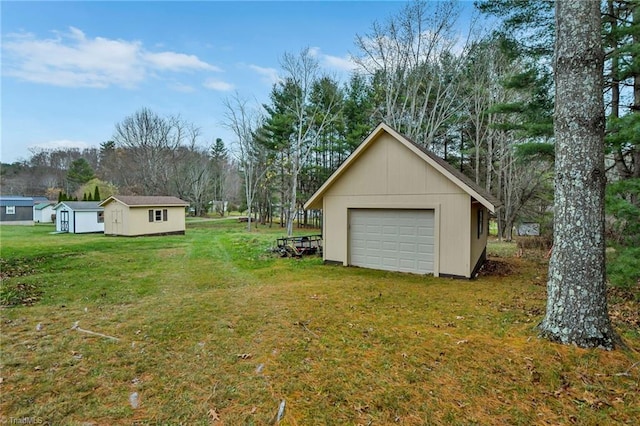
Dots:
{"x": 576, "y": 290}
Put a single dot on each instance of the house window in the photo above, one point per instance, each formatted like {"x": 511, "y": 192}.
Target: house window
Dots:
{"x": 158, "y": 215}
{"x": 10, "y": 210}
{"x": 100, "y": 217}
{"x": 480, "y": 222}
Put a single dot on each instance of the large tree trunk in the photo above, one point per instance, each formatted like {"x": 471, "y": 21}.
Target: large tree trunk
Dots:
{"x": 636, "y": 89}
{"x": 576, "y": 289}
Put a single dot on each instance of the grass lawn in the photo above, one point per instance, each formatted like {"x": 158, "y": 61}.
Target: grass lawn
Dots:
{"x": 211, "y": 328}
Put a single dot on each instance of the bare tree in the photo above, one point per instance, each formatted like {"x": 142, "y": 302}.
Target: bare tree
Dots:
{"x": 309, "y": 119}
{"x": 193, "y": 179}
{"x": 244, "y": 122}
{"x": 151, "y": 144}
{"x": 415, "y": 60}
{"x": 576, "y": 290}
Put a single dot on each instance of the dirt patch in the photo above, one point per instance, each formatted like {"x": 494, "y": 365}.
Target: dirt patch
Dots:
{"x": 495, "y": 267}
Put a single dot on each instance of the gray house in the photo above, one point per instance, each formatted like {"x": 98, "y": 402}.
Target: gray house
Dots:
{"x": 15, "y": 210}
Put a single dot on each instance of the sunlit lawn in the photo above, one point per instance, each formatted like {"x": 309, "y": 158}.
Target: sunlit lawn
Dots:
{"x": 212, "y": 328}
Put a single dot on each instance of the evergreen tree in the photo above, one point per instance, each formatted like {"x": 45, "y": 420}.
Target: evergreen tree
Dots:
{"x": 96, "y": 194}
{"x": 80, "y": 172}
{"x": 359, "y": 111}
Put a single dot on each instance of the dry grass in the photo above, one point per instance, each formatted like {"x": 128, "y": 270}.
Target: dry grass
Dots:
{"x": 212, "y": 329}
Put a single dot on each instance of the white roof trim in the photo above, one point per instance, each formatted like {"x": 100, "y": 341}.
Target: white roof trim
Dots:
{"x": 317, "y": 196}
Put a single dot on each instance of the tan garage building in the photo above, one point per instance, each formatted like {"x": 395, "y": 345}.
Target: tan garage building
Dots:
{"x": 393, "y": 205}
{"x": 143, "y": 215}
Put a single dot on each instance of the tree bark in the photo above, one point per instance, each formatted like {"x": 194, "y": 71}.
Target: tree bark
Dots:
{"x": 576, "y": 289}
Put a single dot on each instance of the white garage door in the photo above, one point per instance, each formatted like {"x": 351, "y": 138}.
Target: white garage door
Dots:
{"x": 392, "y": 240}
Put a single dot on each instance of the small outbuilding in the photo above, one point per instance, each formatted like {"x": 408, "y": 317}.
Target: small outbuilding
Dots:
{"x": 15, "y": 210}
{"x": 394, "y": 205}
{"x": 43, "y": 212}
{"x": 144, "y": 215}
{"x": 79, "y": 217}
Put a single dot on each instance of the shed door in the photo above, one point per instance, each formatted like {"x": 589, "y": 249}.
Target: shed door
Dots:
{"x": 64, "y": 221}
{"x": 392, "y": 240}
{"x": 116, "y": 221}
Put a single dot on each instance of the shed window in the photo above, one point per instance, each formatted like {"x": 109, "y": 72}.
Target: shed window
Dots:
{"x": 10, "y": 209}
{"x": 100, "y": 217}
{"x": 158, "y": 215}
{"x": 480, "y": 222}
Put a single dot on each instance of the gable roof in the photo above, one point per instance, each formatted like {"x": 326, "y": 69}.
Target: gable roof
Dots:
{"x": 88, "y": 206}
{"x": 145, "y": 201}
{"x": 42, "y": 206}
{"x": 455, "y": 176}
{"x": 11, "y": 200}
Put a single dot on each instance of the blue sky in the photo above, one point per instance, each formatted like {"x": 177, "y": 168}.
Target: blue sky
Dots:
{"x": 72, "y": 70}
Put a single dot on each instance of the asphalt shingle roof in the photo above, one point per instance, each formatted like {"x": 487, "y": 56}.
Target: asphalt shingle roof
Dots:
{"x": 139, "y": 200}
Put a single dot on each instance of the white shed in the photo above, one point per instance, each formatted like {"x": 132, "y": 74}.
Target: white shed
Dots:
{"x": 79, "y": 217}
{"x": 43, "y": 212}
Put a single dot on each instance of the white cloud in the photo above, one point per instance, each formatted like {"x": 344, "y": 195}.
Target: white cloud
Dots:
{"x": 60, "y": 144}
{"x": 181, "y": 87}
{"x": 314, "y": 51}
{"x": 218, "y": 85}
{"x": 269, "y": 75}
{"x": 177, "y": 61}
{"x": 340, "y": 63}
{"x": 335, "y": 63}
{"x": 71, "y": 59}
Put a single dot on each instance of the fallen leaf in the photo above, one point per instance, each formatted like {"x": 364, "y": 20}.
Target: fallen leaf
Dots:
{"x": 244, "y": 356}
{"x": 213, "y": 415}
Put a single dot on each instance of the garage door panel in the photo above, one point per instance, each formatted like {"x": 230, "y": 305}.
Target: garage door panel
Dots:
{"x": 358, "y": 244}
{"x": 424, "y": 231}
{"x": 395, "y": 240}
{"x": 407, "y": 247}
{"x": 390, "y": 261}
{"x": 425, "y": 264}
{"x": 407, "y": 230}
{"x": 390, "y": 246}
{"x": 425, "y": 249}
{"x": 390, "y": 229}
